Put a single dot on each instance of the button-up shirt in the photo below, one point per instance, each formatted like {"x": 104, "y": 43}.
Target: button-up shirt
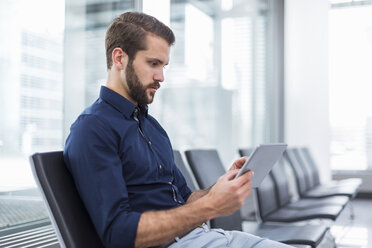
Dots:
{"x": 122, "y": 163}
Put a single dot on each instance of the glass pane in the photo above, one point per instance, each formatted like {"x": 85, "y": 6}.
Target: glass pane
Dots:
{"x": 52, "y": 63}
{"x": 237, "y": 73}
{"x": 31, "y": 101}
{"x": 190, "y": 80}
{"x": 84, "y": 52}
{"x": 350, "y": 76}
{"x": 207, "y": 98}
{"x": 85, "y": 58}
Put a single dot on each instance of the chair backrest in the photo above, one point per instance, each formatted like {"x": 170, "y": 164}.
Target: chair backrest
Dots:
{"x": 280, "y": 178}
{"x": 310, "y": 161}
{"x": 207, "y": 168}
{"x": 245, "y": 152}
{"x": 308, "y": 171}
{"x": 266, "y": 197}
{"x": 185, "y": 172}
{"x": 68, "y": 214}
{"x": 302, "y": 185}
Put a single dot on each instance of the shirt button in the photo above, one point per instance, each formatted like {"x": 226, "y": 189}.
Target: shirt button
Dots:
{"x": 170, "y": 182}
{"x": 135, "y": 110}
{"x": 150, "y": 143}
{"x": 161, "y": 167}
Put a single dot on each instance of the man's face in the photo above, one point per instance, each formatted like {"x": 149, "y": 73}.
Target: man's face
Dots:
{"x": 144, "y": 73}
{"x": 137, "y": 90}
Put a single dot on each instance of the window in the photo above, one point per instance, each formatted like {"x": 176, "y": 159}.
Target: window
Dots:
{"x": 215, "y": 89}
{"x": 52, "y": 64}
{"x": 350, "y": 57}
{"x": 31, "y": 102}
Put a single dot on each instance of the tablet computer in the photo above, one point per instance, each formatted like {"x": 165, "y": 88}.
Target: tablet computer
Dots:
{"x": 261, "y": 161}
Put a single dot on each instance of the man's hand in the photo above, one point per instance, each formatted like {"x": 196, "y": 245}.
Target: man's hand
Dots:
{"x": 223, "y": 198}
{"x": 238, "y": 163}
{"x": 228, "y": 194}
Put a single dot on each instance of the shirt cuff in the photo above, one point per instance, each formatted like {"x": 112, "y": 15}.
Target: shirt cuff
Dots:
{"x": 123, "y": 231}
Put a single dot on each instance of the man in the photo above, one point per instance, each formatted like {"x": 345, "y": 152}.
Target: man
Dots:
{"x": 122, "y": 161}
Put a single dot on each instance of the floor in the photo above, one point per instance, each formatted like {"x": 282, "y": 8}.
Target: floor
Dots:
{"x": 356, "y": 233}
{"x": 21, "y": 208}
{"x": 348, "y": 232}
{"x": 17, "y": 210}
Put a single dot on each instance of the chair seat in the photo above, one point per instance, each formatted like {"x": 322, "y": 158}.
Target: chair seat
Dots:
{"x": 343, "y": 182}
{"x": 305, "y": 203}
{"x": 320, "y": 192}
{"x": 291, "y": 215}
{"x": 306, "y": 235}
{"x": 301, "y": 246}
{"x": 340, "y": 187}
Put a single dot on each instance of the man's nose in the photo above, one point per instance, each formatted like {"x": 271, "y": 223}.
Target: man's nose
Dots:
{"x": 159, "y": 76}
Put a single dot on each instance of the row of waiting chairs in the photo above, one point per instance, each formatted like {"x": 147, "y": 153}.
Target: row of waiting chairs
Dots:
{"x": 308, "y": 179}
{"x": 274, "y": 199}
{"x": 75, "y": 229}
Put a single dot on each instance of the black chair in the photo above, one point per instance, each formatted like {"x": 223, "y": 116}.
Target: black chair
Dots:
{"x": 207, "y": 168}
{"x": 313, "y": 178}
{"x": 271, "y": 210}
{"x": 281, "y": 183}
{"x": 305, "y": 184}
{"x": 205, "y": 180}
{"x": 72, "y": 223}
{"x": 184, "y": 170}
{"x": 308, "y": 161}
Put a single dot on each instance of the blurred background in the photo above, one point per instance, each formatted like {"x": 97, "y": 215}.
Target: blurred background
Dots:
{"x": 242, "y": 73}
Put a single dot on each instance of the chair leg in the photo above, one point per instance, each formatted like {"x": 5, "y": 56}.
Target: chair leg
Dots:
{"x": 352, "y": 212}
{"x": 328, "y": 241}
{"x": 332, "y": 239}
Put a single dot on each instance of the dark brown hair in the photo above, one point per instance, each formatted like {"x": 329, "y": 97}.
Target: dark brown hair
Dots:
{"x": 129, "y": 30}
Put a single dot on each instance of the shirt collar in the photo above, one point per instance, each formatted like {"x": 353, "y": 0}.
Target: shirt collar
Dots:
{"x": 122, "y": 104}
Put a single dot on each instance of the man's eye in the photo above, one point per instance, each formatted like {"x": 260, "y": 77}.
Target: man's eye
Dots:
{"x": 153, "y": 63}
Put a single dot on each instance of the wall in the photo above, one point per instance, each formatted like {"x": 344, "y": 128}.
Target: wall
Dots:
{"x": 306, "y": 78}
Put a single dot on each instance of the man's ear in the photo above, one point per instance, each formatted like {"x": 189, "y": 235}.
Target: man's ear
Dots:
{"x": 119, "y": 58}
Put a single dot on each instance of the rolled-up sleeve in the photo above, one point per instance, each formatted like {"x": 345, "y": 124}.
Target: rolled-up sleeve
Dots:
{"x": 91, "y": 154}
{"x": 181, "y": 184}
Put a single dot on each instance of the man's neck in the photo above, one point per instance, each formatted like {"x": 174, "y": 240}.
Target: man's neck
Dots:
{"x": 113, "y": 83}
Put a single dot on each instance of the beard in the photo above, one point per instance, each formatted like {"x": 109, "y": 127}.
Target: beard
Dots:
{"x": 137, "y": 91}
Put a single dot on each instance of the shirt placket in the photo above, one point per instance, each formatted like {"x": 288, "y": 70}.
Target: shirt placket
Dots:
{"x": 148, "y": 141}
{"x": 160, "y": 167}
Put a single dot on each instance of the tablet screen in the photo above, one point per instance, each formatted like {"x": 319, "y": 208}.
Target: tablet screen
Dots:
{"x": 261, "y": 161}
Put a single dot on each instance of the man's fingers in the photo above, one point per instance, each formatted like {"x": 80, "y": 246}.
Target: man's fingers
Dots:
{"x": 240, "y": 162}
{"x": 245, "y": 190}
{"x": 231, "y": 174}
{"x": 245, "y": 177}
{"x": 243, "y": 180}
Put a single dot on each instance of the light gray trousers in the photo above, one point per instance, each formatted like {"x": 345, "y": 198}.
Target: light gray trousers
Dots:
{"x": 204, "y": 237}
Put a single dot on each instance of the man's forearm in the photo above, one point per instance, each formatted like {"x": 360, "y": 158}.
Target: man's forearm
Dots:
{"x": 224, "y": 198}
{"x": 198, "y": 194}
{"x": 157, "y": 227}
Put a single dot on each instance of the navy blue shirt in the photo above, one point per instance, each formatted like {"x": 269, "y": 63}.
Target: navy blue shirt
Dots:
{"x": 122, "y": 163}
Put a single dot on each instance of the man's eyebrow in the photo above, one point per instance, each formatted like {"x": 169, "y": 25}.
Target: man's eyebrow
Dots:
{"x": 158, "y": 60}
